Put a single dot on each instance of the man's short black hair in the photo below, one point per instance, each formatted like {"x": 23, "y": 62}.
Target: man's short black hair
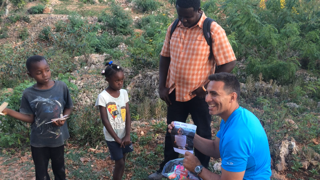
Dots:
{"x": 33, "y": 59}
{"x": 188, "y": 4}
{"x": 231, "y": 83}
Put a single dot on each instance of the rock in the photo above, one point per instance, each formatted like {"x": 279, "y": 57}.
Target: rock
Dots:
{"x": 292, "y": 105}
{"x": 318, "y": 105}
{"x": 142, "y": 133}
{"x": 286, "y": 148}
{"x": 284, "y": 151}
{"x": 47, "y": 10}
{"x": 305, "y": 165}
{"x": 217, "y": 166}
{"x": 277, "y": 176}
{"x": 144, "y": 85}
{"x": 291, "y": 123}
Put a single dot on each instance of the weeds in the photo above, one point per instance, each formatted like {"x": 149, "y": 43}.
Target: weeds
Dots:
{"x": 147, "y": 5}
{"x": 23, "y": 34}
{"x": 38, "y": 9}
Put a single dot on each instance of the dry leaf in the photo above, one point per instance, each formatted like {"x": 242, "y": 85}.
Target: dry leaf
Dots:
{"x": 315, "y": 141}
{"x": 83, "y": 160}
{"x": 142, "y": 133}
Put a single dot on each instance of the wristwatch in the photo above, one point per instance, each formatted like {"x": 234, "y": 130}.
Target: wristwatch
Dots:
{"x": 198, "y": 169}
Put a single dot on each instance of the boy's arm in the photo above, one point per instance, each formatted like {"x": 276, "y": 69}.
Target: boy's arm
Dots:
{"x": 106, "y": 123}
{"x": 67, "y": 111}
{"x": 22, "y": 117}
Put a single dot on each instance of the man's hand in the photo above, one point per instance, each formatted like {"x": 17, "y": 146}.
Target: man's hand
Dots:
{"x": 199, "y": 92}
{"x": 190, "y": 161}
{"x": 164, "y": 94}
{"x": 170, "y": 127}
{"x": 125, "y": 141}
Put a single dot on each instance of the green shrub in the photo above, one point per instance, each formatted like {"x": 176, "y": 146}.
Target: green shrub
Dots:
{"x": 87, "y": 1}
{"x": 86, "y": 127}
{"x": 45, "y": 33}
{"x": 14, "y": 132}
{"x": 119, "y": 21}
{"x": 23, "y": 34}
{"x": 38, "y": 9}
{"x": 14, "y": 18}
{"x": 147, "y": 5}
{"x": 26, "y": 19}
{"x": 4, "y": 33}
{"x": 274, "y": 36}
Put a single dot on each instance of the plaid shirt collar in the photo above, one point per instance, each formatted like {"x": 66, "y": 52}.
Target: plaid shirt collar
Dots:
{"x": 200, "y": 22}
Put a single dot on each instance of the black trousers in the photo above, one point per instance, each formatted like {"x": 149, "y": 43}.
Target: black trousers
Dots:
{"x": 179, "y": 111}
{"x": 41, "y": 158}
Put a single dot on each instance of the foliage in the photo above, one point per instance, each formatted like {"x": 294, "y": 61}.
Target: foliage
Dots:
{"x": 45, "y": 33}
{"x": 38, "y": 9}
{"x": 119, "y": 20}
{"x": 147, "y": 5}
{"x": 14, "y": 132}
{"x": 88, "y": 1}
{"x": 85, "y": 126}
{"x": 145, "y": 48}
{"x": 274, "y": 38}
{"x": 23, "y": 34}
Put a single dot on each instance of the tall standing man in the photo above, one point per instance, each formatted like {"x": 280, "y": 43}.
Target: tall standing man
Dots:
{"x": 184, "y": 70}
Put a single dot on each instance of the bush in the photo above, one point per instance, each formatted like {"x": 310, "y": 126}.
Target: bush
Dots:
{"x": 276, "y": 36}
{"x": 13, "y": 131}
{"x": 120, "y": 21}
{"x": 45, "y": 33}
{"x": 23, "y": 34}
{"x": 147, "y": 5}
{"x": 38, "y": 9}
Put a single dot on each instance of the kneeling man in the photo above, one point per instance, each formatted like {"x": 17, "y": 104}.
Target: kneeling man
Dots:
{"x": 241, "y": 141}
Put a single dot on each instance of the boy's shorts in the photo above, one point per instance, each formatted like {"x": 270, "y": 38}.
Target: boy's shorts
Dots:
{"x": 116, "y": 151}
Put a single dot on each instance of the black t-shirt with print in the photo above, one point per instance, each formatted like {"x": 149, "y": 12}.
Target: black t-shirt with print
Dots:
{"x": 45, "y": 105}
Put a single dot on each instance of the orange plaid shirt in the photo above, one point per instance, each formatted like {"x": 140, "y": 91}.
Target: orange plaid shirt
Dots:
{"x": 188, "y": 49}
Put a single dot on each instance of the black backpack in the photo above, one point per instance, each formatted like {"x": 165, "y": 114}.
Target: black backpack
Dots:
{"x": 206, "y": 32}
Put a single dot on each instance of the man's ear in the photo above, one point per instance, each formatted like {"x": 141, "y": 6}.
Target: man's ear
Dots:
{"x": 234, "y": 96}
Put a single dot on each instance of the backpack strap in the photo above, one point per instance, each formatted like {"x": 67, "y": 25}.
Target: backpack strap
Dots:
{"x": 173, "y": 27}
{"x": 207, "y": 34}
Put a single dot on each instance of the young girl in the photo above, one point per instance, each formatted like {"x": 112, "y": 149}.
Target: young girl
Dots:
{"x": 115, "y": 115}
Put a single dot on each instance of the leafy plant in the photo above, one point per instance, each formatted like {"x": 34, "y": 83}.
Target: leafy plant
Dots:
{"x": 38, "y": 9}
{"x": 45, "y": 33}
{"x": 23, "y": 34}
{"x": 147, "y": 5}
{"x": 119, "y": 20}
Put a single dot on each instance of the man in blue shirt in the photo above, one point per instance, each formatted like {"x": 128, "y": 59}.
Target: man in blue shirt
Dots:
{"x": 241, "y": 141}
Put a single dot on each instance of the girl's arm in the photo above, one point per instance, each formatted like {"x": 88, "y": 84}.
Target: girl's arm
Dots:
{"x": 126, "y": 139}
{"x": 19, "y": 116}
{"x": 106, "y": 123}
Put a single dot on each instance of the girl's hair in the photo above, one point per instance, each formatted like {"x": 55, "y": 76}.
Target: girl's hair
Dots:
{"x": 111, "y": 69}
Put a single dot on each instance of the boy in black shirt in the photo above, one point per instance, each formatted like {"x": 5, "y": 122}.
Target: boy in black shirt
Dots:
{"x": 46, "y": 105}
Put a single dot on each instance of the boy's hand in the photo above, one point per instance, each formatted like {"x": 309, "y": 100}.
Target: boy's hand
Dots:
{"x": 170, "y": 127}
{"x": 4, "y": 112}
{"x": 59, "y": 122}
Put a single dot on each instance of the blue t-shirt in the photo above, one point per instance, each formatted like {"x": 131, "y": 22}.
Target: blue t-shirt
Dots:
{"x": 244, "y": 145}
